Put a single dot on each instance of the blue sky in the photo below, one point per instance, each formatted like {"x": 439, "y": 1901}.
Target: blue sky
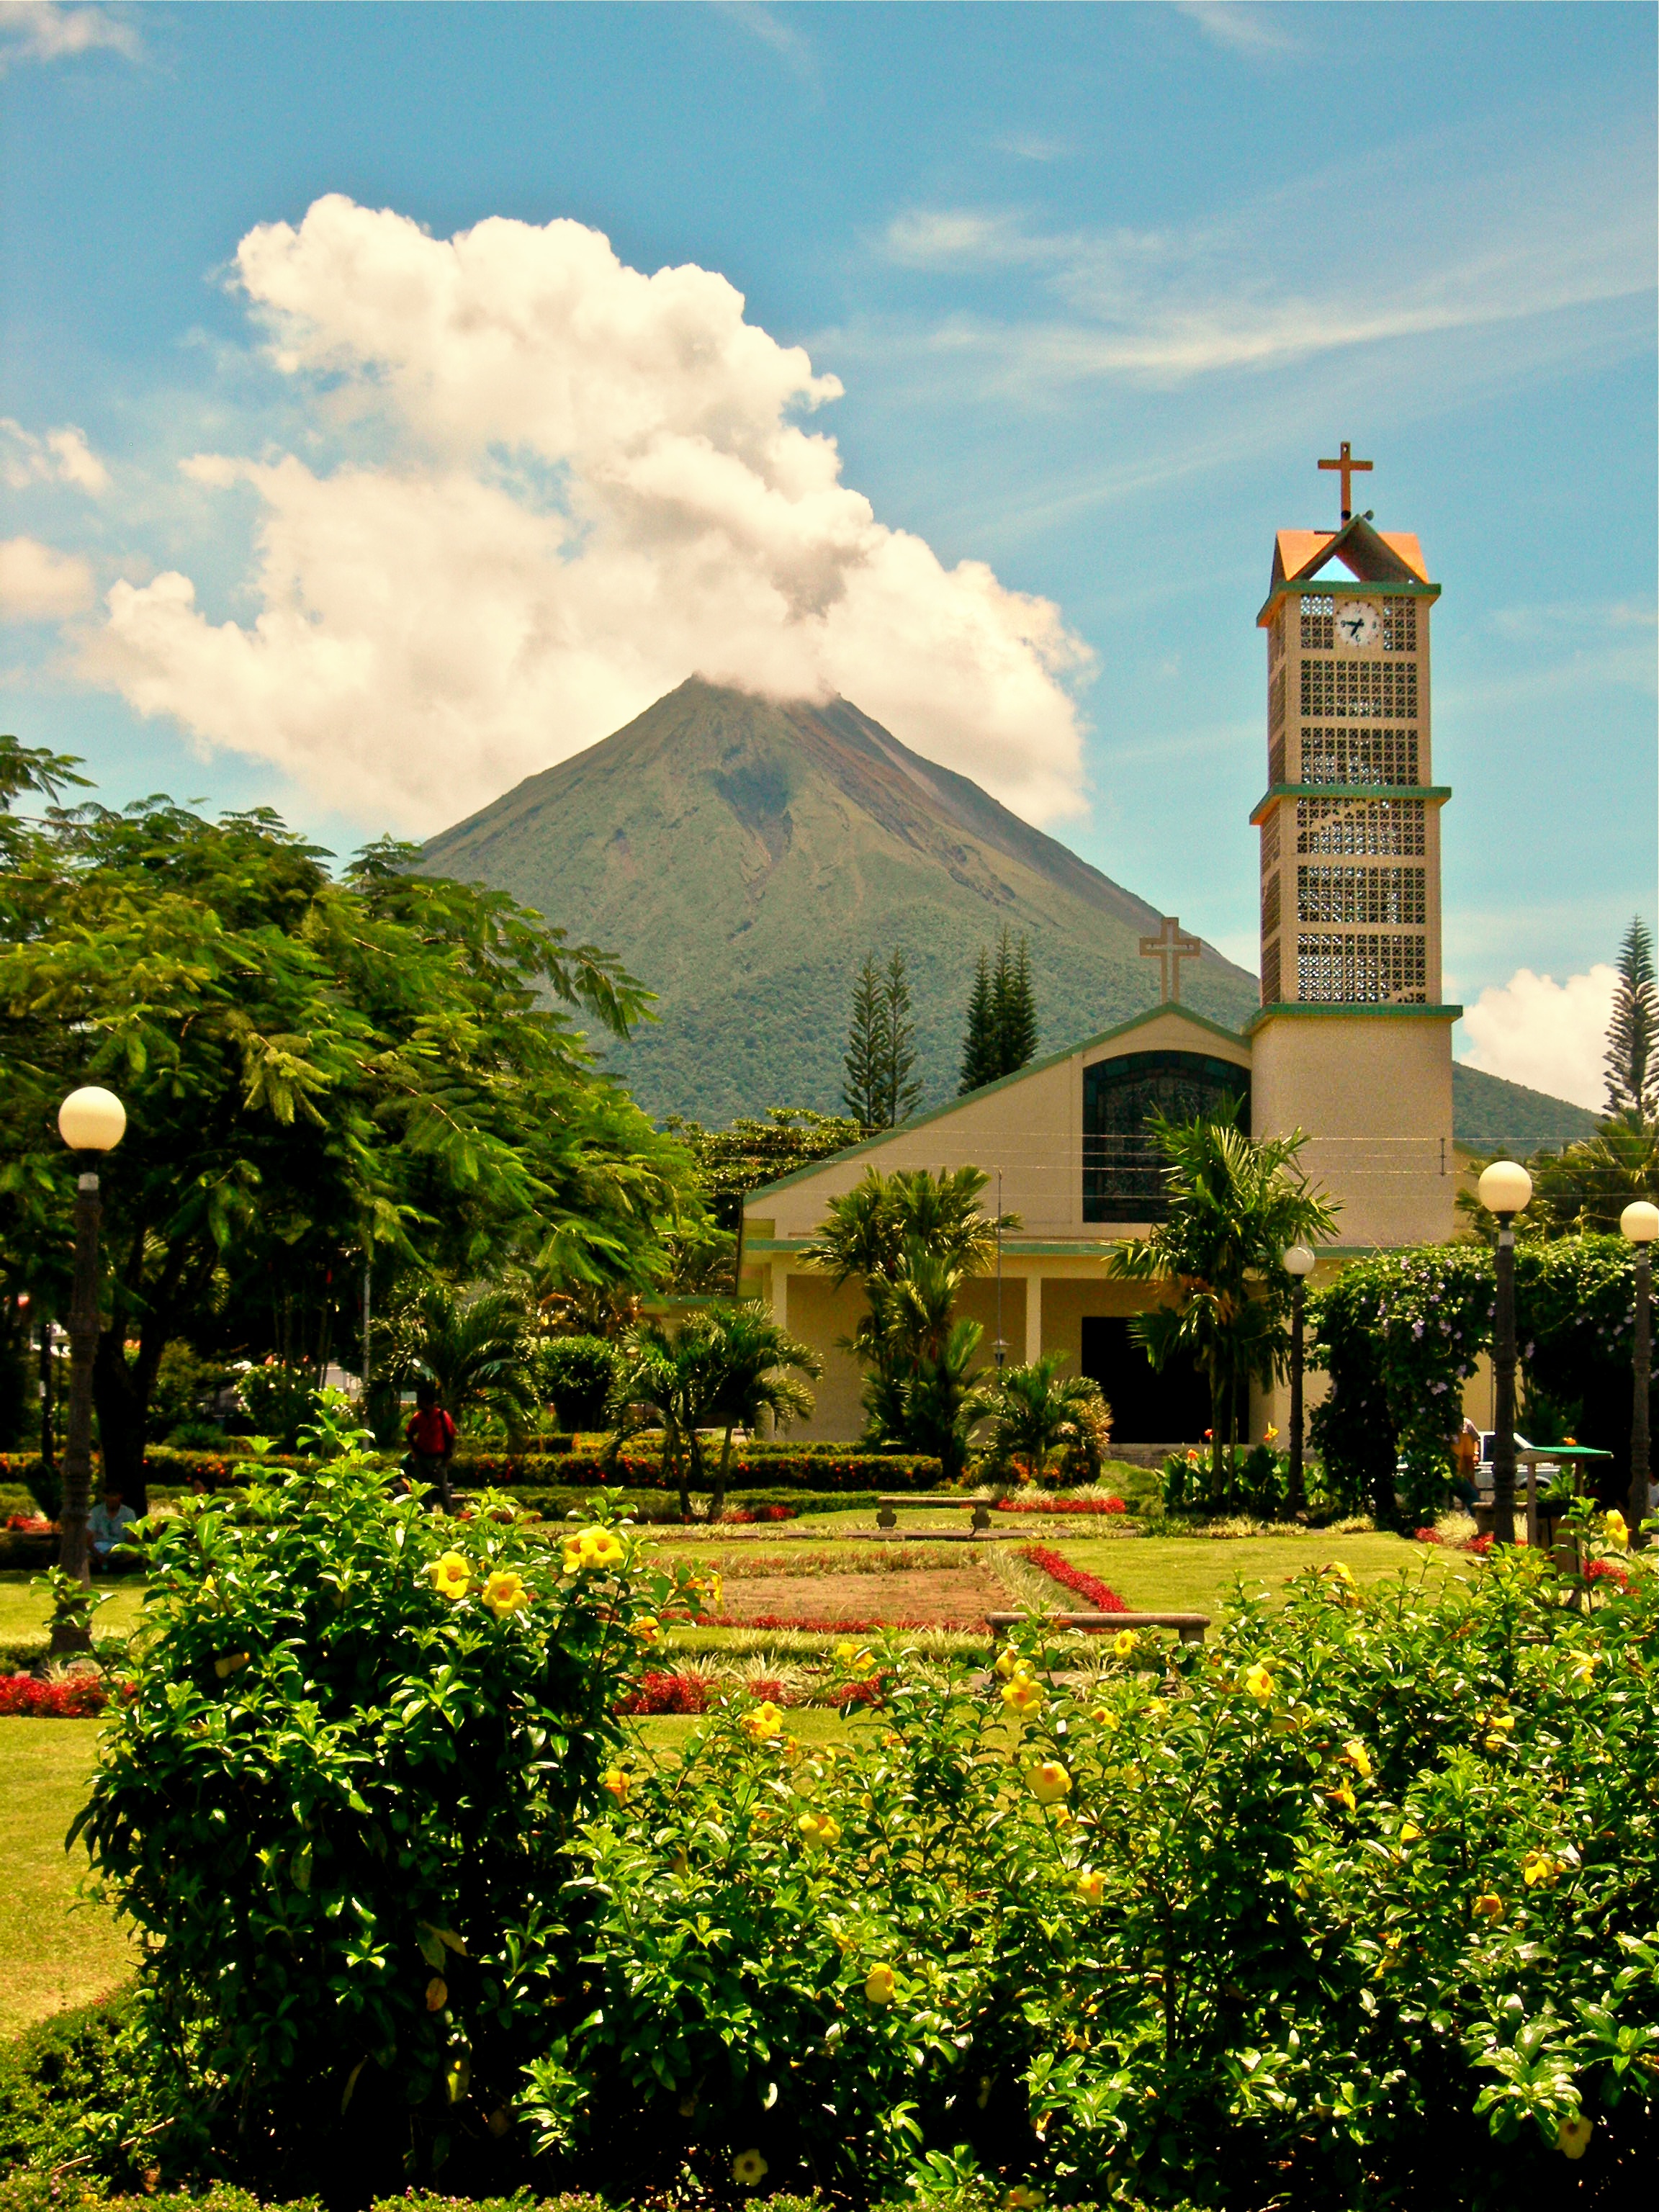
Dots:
{"x": 1080, "y": 295}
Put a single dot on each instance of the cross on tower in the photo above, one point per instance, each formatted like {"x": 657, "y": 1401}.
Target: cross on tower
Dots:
{"x": 1171, "y": 947}
{"x": 1348, "y": 466}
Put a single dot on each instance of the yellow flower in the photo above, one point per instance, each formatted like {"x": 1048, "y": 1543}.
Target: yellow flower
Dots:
{"x": 1009, "y": 1662}
{"x": 452, "y": 1577}
{"x": 505, "y": 1592}
{"x": 1103, "y": 1717}
{"x": 437, "y": 1994}
{"x": 1090, "y": 1885}
{"x": 231, "y": 1663}
{"x": 1585, "y": 1670}
{"x": 618, "y": 1781}
{"x": 1125, "y": 1643}
{"x": 843, "y": 1654}
{"x": 593, "y": 1550}
{"x": 1539, "y": 1870}
{"x": 647, "y": 1629}
{"x": 1342, "y": 1795}
{"x": 1270, "y": 1434}
{"x": 1618, "y": 1531}
{"x": 1357, "y": 1758}
{"x": 879, "y": 1986}
{"x": 1022, "y": 1695}
{"x": 1048, "y": 1781}
{"x": 1338, "y": 1572}
{"x": 1488, "y": 1907}
{"x": 1573, "y": 2135}
{"x": 749, "y": 2169}
{"x": 1410, "y": 1832}
{"x": 818, "y": 1831}
{"x": 1259, "y": 1682}
{"x": 763, "y": 1724}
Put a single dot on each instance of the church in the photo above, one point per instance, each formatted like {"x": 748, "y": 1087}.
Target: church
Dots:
{"x": 1351, "y": 1042}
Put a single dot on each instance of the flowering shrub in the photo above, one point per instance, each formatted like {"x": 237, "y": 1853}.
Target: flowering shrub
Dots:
{"x": 1028, "y": 1504}
{"x": 659, "y": 1693}
{"x": 1427, "y": 1536}
{"x": 1090, "y": 1587}
{"x": 743, "y": 1514}
{"x": 30, "y": 1524}
{"x": 72, "y": 1698}
{"x": 359, "y": 1745}
{"x": 1360, "y": 1914}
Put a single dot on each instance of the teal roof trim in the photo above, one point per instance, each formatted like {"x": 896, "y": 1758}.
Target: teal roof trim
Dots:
{"x": 1436, "y": 794}
{"x": 985, "y": 1089}
{"x": 1304, "y": 1007}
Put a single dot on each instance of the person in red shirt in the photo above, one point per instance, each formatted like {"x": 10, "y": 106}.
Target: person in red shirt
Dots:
{"x": 431, "y": 1440}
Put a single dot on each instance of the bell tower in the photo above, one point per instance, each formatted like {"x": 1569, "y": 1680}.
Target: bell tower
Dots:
{"x": 1352, "y": 1042}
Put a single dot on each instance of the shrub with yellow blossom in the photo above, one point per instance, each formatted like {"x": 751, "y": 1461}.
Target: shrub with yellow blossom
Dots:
{"x": 323, "y": 1848}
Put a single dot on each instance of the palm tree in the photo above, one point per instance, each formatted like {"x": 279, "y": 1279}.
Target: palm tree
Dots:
{"x": 1037, "y": 1418}
{"x": 724, "y": 1368}
{"x": 914, "y": 1238}
{"x": 1235, "y": 1205}
{"x": 476, "y": 1350}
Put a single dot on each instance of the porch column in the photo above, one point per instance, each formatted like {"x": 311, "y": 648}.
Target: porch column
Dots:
{"x": 1033, "y": 1318}
{"x": 781, "y": 1292}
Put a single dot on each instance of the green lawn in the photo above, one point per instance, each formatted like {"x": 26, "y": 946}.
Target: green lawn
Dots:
{"x": 25, "y": 1610}
{"x": 58, "y": 1952}
{"x": 1195, "y": 1574}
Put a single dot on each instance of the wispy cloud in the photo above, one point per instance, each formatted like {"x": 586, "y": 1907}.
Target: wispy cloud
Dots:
{"x": 1032, "y": 146}
{"x": 1245, "y": 30}
{"x": 792, "y": 47}
{"x": 43, "y": 31}
{"x": 955, "y": 238}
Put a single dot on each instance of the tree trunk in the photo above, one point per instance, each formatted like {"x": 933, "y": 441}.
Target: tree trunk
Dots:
{"x": 121, "y": 1391}
{"x": 717, "y": 1502}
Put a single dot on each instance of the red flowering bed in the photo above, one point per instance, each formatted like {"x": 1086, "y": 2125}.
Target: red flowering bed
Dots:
{"x": 1607, "y": 1570}
{"x": 1428, "y": 1536}
{"x": 1023, "y": 1504}
{"x": 1078, "y": 1579}
{"x": 815, "y": 1627}
{"x": 77, "y": 1698}
{"x": 29, "y": 1524}
{"x": 659, "y": 1692}
{"x": 744, "y": 1514}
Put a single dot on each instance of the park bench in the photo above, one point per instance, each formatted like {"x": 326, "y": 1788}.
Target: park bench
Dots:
{"x": 1189, "y": 1627}
{"x": 888, "y": 1508}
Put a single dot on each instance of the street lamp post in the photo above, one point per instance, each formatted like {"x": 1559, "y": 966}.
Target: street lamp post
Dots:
{"x": 1639, "y": 1223}
{"x": 1505, "y": 1190}
{"x": 1298, "y": 1265}
{"x": 90, "y": 1122}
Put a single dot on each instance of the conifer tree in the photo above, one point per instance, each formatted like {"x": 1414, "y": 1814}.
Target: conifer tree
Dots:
{"x": 979, "y": 1041}
{"x": 1016, "y": 1022}
{"x": 864, "y": 1093}
{"x": 902, "y": 1092}
{"x": 1633, "y": 1055}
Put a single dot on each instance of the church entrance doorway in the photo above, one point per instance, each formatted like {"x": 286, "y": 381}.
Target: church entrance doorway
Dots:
{"x": 1148, "y": 1406}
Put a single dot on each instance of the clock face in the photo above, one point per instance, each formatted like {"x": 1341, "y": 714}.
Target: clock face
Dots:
{"x": 1358, "y": 624}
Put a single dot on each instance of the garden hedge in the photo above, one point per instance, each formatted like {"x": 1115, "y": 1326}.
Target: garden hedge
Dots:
{"x": 807, "y": 1467}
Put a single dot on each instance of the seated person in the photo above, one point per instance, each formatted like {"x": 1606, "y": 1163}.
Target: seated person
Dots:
{"x": 107, "y": 1527}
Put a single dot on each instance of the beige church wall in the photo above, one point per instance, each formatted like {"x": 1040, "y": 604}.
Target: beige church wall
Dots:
{"x": 1360, "y": 1081}
{"x": 815, "y": 1311}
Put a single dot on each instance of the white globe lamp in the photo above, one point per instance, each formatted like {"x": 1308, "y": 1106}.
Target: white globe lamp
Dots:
{"x": 1505, "y": 1187}
{"x": 91, "y": 1120}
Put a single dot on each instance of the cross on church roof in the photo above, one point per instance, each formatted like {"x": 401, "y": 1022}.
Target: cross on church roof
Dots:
{"x": 1347, "y": 464}
{"x": 1171, "y": 947}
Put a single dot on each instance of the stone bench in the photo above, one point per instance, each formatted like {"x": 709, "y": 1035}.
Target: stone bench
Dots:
{"x": 888, "y": 1508}
{"x": 1189, "y": 1627}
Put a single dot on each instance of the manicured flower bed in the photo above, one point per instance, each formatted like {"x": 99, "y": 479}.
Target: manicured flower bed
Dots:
{"x": 1023, "y": 1505}
{"x": 74, "y": 1697}
{"x": 1078, "y": 1579}
{"x": 815, "y": 1626}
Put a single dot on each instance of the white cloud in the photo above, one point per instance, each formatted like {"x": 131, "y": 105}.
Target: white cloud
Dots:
{"x": 41, "y": 31}
{"x": 568, "y": 486}
{"x": 1549, "y": 1036}
{"x": 61, "y": 456}
{"x": 39, "y": 584}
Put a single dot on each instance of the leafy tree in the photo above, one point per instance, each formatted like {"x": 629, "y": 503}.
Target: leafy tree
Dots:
{"x": 1236, "y": 1204}
{"x": 314, "y": 1069}
{"x": 1001, "y": 1035}
{"x": 1633, "y": 1055}
{"x": 726, "y": 1368}
{"x": 728, "y": 1164}
{"x": 1581, "y": 1190}
{"x": 901, "y": 1094}
{"x": 577, "y": 1372}
{"x": 1038, "y": 1417}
